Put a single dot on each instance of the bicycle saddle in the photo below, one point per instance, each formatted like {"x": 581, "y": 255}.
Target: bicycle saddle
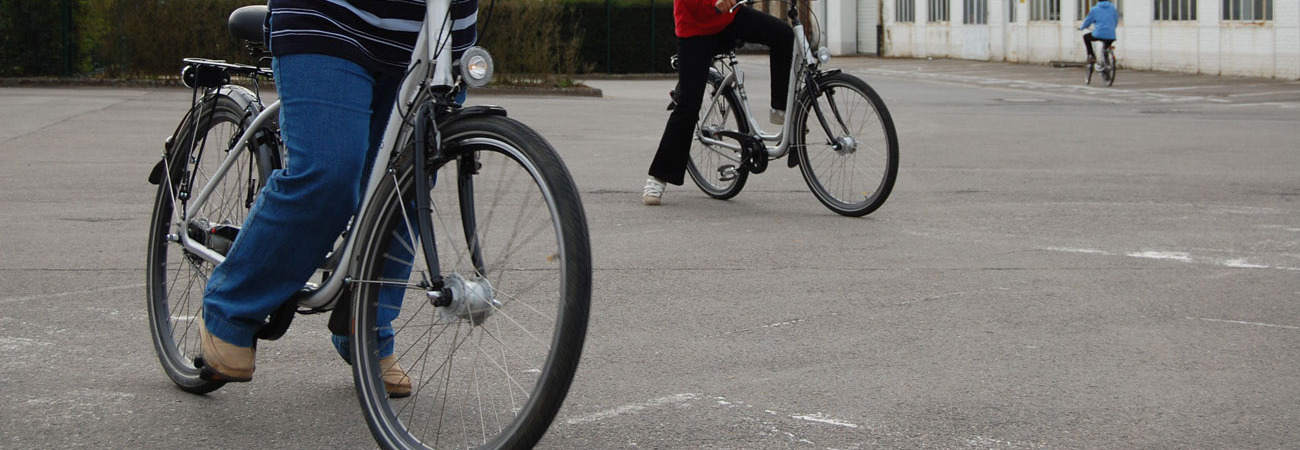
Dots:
{"x": 246, "y": 23}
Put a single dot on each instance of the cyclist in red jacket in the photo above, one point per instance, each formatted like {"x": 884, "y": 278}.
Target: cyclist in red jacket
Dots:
{"x": 706, "y": 28}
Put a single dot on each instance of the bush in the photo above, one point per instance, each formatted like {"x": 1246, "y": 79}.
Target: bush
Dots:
{"x": 150, "y": 37}
{"x": 627, "y": 36}
{"x": 36, "y": 37}
{"x": 532, "y": 42}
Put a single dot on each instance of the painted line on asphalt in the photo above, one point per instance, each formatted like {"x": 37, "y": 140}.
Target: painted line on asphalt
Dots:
{"x": 1183, "y": 257}
{"x": 5, "y": 301}
{"x": 1242, "y": 322}
{"x": 621, "y": 410}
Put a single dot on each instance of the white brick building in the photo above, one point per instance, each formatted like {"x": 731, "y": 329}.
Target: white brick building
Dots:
{"x": 1258, "y": 38}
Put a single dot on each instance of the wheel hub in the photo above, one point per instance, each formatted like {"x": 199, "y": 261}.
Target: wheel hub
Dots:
{"x": 845, "y": 145}
{"x": 471, "y": 300}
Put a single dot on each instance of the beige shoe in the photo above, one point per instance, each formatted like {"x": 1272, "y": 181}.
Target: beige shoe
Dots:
{"x": 226, "y": 361}
{"x": 654, "y": 191}
{"x": 395, "y": 380}
{"x": 777, "y": 117}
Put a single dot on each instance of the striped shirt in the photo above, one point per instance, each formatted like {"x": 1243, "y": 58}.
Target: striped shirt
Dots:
{"x": 377, "y": 34}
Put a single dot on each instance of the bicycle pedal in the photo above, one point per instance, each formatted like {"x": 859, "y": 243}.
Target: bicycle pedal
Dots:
{"x": 727, "y": 173}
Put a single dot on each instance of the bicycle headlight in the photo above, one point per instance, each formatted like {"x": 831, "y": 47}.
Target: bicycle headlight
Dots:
{"x": 476, "y": 67}
{"x": 823, "y": 55}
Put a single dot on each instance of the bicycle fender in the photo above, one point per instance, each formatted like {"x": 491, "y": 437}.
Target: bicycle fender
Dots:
{"x": 241, "y": 95}
{"x": 244, "y": 97}
{"x": 471, "y": 111}
{"x": 827, "y": 73}
{"x": 156, "y": 175}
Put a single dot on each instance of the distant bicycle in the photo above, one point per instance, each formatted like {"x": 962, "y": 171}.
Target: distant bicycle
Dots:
{"x": 838, "y": 132}
{"x": 1105, "y": 66}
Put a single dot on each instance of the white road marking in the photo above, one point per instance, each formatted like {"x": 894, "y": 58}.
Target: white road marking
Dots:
{"x": 1242, "y": 322}
{"x": 822, "y": 418}
{"x": 654, "y": 402}
{"x": 4, "y": 301}
{"x": 1185, "y": 257}
{"x": 1176, "y": 256}
{"x": 17, "y": 343}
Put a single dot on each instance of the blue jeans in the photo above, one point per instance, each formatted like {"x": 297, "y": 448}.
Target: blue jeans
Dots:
{"x": 332, "y": 119}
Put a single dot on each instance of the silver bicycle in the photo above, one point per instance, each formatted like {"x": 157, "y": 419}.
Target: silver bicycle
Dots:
{"x": 836, "y": 129}
{"x": 469, "y": 216}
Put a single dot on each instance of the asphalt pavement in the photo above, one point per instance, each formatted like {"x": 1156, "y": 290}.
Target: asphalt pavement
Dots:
{"x": 1059, "y": 266}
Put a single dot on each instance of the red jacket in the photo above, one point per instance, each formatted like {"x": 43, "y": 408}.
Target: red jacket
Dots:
{"x": 699, "y": 18}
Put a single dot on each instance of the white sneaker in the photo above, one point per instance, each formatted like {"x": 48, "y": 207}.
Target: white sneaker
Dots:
{"x": 777, "y": 117}
{"x": 654, "y": 191}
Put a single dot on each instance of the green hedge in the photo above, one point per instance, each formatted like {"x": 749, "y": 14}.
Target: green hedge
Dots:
{"x": 627, "y": 38}
{"x": 134, "y": 38}
{"x": 150, "y": 37}
{"x": 37, "y": 37}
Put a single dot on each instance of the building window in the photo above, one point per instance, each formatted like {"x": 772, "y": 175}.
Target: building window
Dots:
{"x": 1086, "y": 5}
{"x": 1011, "y": 11}
{"x": 975, "y": 12}
{"x": 905, "y": 11}
{"x": 938, "y": 11}
{"x": 1045, "y": 10}
{"x": 1247, "y": 9}
{"x": 1175, "y": 10}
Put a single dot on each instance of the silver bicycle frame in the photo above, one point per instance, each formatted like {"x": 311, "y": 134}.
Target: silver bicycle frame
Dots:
{"x": 436, "y": 23}
{"x": 802, "y": 53}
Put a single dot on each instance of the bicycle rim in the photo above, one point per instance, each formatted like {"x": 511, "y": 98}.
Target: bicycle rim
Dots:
{"x": 175, "y": 277}
{"x": 716, "y": 169}
{"x": 857, "y": 177}
{"x": 511, "y": 235}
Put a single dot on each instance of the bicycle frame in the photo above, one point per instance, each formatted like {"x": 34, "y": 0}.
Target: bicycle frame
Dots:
{"x": 425, "y": 56}
{"x": 802, "y": 58}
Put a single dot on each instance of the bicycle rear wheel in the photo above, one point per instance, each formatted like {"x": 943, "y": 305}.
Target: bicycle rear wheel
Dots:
{"x": 492, "y": 369}
{"x": 715, "y": 169}
{"x": 851, "y": 170}
{"x": 175, "y": 277}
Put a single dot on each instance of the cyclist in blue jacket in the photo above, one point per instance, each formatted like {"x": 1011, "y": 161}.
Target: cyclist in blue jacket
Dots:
{"x": 1102, "y": 18}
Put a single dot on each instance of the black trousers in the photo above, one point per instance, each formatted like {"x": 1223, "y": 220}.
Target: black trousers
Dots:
{"x": 694, "y": 56}
{"x": 1088, "y": 40}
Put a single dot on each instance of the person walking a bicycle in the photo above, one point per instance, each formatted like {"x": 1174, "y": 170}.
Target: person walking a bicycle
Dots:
{"x": 1103, "y": 18}
{"x": 338, "y": 66}
{"x": 706, "y": 28}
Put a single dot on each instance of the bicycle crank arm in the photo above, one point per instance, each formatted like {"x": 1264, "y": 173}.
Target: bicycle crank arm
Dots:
{"x": 753, "y": 153}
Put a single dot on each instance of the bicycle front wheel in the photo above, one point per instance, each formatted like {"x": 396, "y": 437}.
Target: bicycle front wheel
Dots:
{"x": 716, "y": 169}
{"x": 848, "y": 152}
{"x": 1111, "y": 67}
{"x": 491, "y": 369}
{"x": 175, "y": 277}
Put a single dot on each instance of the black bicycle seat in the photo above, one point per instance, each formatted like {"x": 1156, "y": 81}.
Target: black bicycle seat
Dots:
{"x": 247, "y": 23}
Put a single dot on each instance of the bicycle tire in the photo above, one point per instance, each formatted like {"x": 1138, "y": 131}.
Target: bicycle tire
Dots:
{"x": 857, "y": 179}
{"x": 1087, "y": 74}
{"x": 523, "y": 240}
{"x": 1112, "y": 68}
{"x": 707, "y": 164}
{"x": 175, "y": 278}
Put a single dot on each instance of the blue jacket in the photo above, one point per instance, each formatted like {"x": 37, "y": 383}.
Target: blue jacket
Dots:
{"x": 1102, "y": 18}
